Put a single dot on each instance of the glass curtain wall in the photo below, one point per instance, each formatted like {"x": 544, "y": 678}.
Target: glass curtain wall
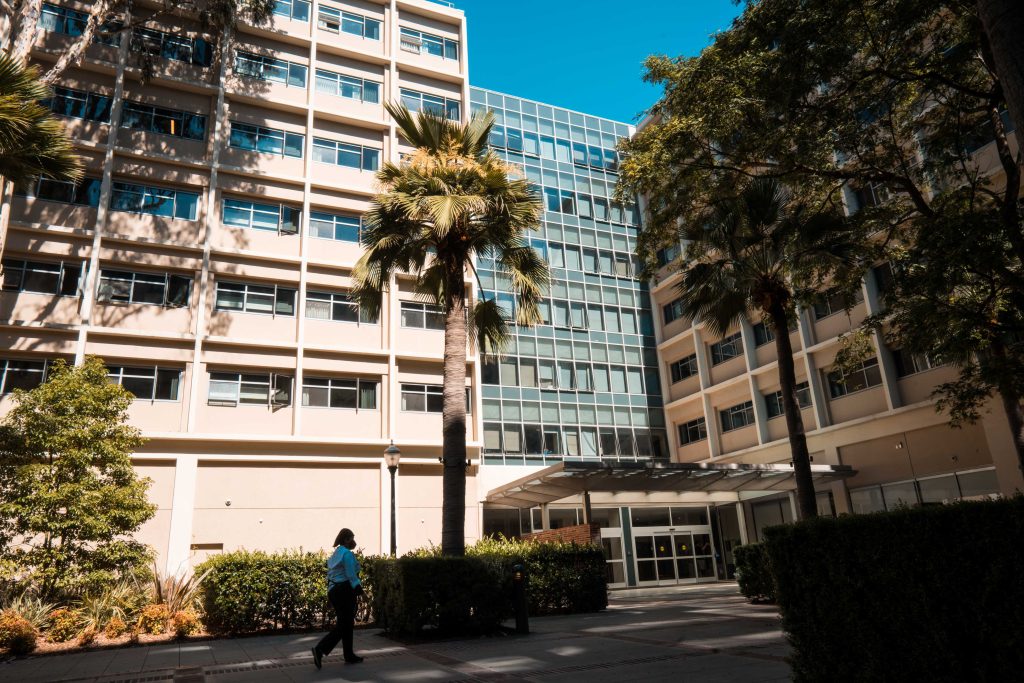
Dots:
{"x": 584, "y": 384}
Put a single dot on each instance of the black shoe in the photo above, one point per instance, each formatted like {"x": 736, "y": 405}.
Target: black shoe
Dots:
{"x": 317, "y": 658}
{"x": 353, "y": 659}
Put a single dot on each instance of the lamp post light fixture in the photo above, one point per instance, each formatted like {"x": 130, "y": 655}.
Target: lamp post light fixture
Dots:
{"x": 392, "y": 454}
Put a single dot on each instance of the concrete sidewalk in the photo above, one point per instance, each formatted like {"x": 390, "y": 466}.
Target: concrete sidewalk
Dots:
{"x": 697, "y": 633}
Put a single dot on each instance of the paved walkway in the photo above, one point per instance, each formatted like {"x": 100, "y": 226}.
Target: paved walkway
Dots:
{"x": 699, "y": 633}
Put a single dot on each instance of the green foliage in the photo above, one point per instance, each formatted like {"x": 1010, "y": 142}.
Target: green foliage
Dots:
{"x": 17, "y": 634}
{"x": 123, "y": 601}
{"x": 916, "y": 594}
{"x": 247, "y": 592}
{"x": 65, "y": 624}
{"x": 441, "y": 595}
{"x": 33, "y": 609}
{"x": 154, "y": 618}
{"x": 32, "y": 141}
{"x": 178, "y": 592}
{"x": 753, "y": 573}
{"x": 70, "y": 500}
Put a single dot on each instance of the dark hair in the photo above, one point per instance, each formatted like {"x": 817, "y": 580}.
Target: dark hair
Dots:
{"x": 344, "y": 536}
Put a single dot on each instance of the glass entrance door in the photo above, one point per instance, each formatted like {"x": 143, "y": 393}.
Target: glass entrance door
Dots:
{"x": 670, "y": 557}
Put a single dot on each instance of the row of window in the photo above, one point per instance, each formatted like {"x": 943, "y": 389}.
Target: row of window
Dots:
{"x": 350, "y": 87}
{"x": 419, "y": 42}
{"x": 565, "y": 375}
{"x": 594, "y": 261}
{"x": 830, "y": 302}
{"x": 607, "y": 442}
{"x": 337, "y": 21}
{"x": 586, "y": 206}
{"x": 555, "y": 149}
{"x": 433, "y": 104}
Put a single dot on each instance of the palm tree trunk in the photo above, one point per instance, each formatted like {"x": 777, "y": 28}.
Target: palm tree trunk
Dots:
{"x": 807, "y": 505}
{"x": 1011, "y": 399}
{"x": 453, "y": 511}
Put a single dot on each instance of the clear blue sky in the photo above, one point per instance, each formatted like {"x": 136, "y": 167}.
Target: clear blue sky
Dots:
{"x": 584, "y": 54}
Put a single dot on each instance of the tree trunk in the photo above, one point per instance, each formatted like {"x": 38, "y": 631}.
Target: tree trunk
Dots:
{"x": 26, "y": 27}
{"x": 1011, "y": 399}
{"x": 1003, "y": 23}
{"x": 453, "y": 512}
{"x": 807, "y": 505}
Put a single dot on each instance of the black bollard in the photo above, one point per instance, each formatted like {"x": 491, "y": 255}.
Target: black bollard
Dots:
{"x": 519, "y": 598}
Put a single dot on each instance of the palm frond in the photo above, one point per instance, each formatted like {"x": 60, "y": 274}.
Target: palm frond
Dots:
{"x": 489, "y": 324}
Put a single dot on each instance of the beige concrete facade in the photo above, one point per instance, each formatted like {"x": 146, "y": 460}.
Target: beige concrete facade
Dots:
{"x": 239, "y": 473}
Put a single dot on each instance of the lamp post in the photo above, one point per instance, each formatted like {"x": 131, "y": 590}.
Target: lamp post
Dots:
{"x": 391, "y": 456}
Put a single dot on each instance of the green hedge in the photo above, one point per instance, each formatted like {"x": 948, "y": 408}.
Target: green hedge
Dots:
{"x": 246, "y": 592}
{"x": 563, "y": 578}
{"x": 753, "y": 573}
{"x": 932, "y": 594}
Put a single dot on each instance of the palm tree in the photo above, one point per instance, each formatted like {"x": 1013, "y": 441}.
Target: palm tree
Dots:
{"x": 448, "y": 201}
{"x": 761, "y": 251}
{"x": 32, "y": 142}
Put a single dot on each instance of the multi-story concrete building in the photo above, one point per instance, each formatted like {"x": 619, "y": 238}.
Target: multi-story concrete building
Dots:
{"x": 207, "y": 257}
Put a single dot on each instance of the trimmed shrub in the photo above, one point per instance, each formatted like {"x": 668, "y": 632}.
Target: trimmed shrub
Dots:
{"x": 441, "y": 595}
{"x": 246, "y": 592}
{"x": 753, "y": 573}
{"x": 153, "y": 619}
{"x": 115, "y": 628}
{"x": 185, "y": 623}
{"x": 924, "y": 594}
{"x": 17, "y": 634}
{"x": 87, "y": 636}
{"x": 65, "y": 624}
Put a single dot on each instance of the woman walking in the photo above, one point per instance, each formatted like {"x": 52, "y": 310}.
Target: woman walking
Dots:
{"x": 342, "y": 589}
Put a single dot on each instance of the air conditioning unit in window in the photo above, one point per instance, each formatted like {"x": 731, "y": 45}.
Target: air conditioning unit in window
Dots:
{"x": 411, "y": 44}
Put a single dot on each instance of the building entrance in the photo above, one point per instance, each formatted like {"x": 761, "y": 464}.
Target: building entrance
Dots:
{"x": 665, "y": 557}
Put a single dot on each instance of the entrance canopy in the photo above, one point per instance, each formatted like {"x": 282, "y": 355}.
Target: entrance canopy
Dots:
{"x": 574, "y": 478}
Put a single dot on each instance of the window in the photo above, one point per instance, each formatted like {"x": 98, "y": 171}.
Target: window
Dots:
{"x": 62, "y": 277}
{"x": 350, "y": 87}
{"x": 763, "y": 334}
{"x": 730, "y": 347}
{"x": 331, "y": 226}
{"x": 910, "y": 363}
{"x": 249, "y": 298}
{"x": 423, "y": 316}
{"x": 21, "y": 374}
{"x": 161, "y": 289}
{"x": 426, "y": 43}
{"x": 683, "y": 368}
{"x": 297, "y": 10}
{"x": 169, "y": 46}
{"x": 278, "y": 218}
{"x": 672, "y": 311}
{"x": 77, "y": 104}
{"x": 424, "y": 398}
{"x": 433, "y": 104}
{"x": 774, "y": 400}
{"x": 336, "y": 306}
{"x": 156, "y": 201}
{"x": 270, "y": 69}
{"x": 353, "y": 394}
{"x": 864, "y": 377}
{"x": 693, "y": 431}
{"x": 234, "y": 388}
{"x": 833, "y": 301}
{"x": 62, "y": 20}
{"x": 345, "y": 154}
{"x": 85, "y": 193}
{"x": 147, "y": 384}
{"x": 336, "y": 21}
{"x": 737, "y": 416}
{"x": 269, "y": 140}
{"x": 163, "y": 121}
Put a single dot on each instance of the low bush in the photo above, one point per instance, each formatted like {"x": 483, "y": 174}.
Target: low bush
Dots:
{"x": 246, "y": 592}
{"x": 154, "y": 618}
{"x": 35, "y": 610}
{"x": 185, "y": 623}
{"x": 87, "y": 636}
{"x": 753, "y": 573}
{"x": 65, "y": 624}
{"x": 16, "y": 633}
{"x": 115, "y": 628}
{"x": 928, "y": 594}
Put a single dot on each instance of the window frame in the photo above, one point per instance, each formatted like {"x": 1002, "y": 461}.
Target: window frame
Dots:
{"x": 25, "y": 266}
{"x": 375, "y": 154}
{"x": 695, "y": 431}
{"x": 338, "y": 221}
{"x": 358, "y": 383}
{"x": 428, "y": 391}
{"x": 121, "y": 188}
{"x": 336, "y": 299}
{"x": 773, "y": 401}
{"x": 259, "y": 65}
{"x": 672, "y": 311}
{"x": 170, "y": 279}
{"x": 408, "y": 97}
{"x": 141, "y": 108}
{"x": 837, "y": 381}
{"x": 91, "y": 103}
{"x": 718, "y": 349}
{"x": 259, "y": 133}
{"x": 285, "y": 226}
{"x": 226, "y": 285}
{"x": 6, "y": 370}
{"x": 728, "y": 416}
{"x": 414, "y": 41}
{"x": 340, "y": 17}
{"x": 291, "y": 14}
{"x": 427, "y": 311}
{"x": 676, "y": 368}
{"x": 277, "y": 396}
{"x": 324, "y": 75}
{"x": 122, "y": 373}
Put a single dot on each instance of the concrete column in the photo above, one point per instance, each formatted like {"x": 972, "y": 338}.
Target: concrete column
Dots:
{"x": 183, "y": 503}
{"x": 792, "y": 505}
{"x": 741, "y": 520}
{"x": 712, "y": 426}
{"x": 1000, "y": 446}
{"x": 545, "y": 518}
{"x": 703, "y": 369}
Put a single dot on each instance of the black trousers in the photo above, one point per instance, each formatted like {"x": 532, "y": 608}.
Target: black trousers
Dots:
{"x": 343, "y": 599}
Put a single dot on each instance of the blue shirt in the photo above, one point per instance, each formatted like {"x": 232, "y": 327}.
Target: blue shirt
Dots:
{"x": 342, "y": 566}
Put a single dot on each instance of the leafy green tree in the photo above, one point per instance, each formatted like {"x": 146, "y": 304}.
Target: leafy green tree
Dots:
{"x": 762, "y": 251}
{"x": 71, "y": 500}
{"x": 893, "y": 106}
{"x": 1003, "y": 23}
{"x": 451, "y": 200}
{"x": 32, "y": 141}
